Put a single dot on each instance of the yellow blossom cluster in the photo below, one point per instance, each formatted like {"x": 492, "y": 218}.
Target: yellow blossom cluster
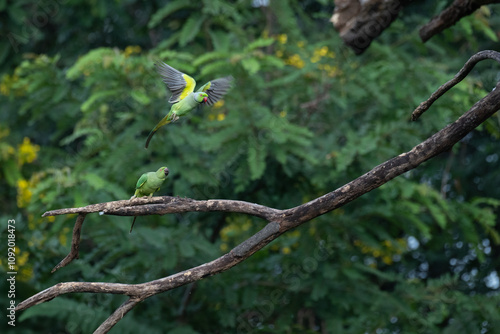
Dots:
{"x": 297, "y": 60}
{"x": 9, "y": 85}
{"x": 287, "y": 243}
{"x": 27, "y": 152}
{"x": 235, "y": 230}
{"x": 220, "y": 116}
{"x": 131, "y": 49}
{"x": 6, "y": 151}
{"x": 22, "y": 267}
{"x": 385, "y": 252}
{"x": 23, "y": 193}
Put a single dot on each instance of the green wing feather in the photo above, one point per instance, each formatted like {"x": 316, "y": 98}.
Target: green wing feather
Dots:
{"x": 216, "y": 89}
{"x": 180, "y": 84}
{"x": 141, "y": 181}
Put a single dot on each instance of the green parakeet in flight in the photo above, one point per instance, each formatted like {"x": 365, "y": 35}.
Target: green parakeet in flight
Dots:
{"x": 183, "y": 97}
{"x": 149, "y": 183}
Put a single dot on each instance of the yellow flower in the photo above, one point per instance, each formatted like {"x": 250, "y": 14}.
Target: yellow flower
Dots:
{"x": 286, "y": 250}
{"x": 63, "y": 238}
{"x": 23, "y": 193}
{"x": 4, "y": 89}
{"x": 296, "y": 61}
{"x": 323, "y": 51}
{"x": 282, "y": 114}
{"x": 219, "y": 104}
{"x": 27, "y": 152}
{"x": 22, "y": 257}
{"x": 221, "y": 117}
{"x": 25, "y": 273}
{"x": 224, "y": 247}
{"x": 283, "y": 38}
{"x": 4, "y": 132}
{"x": 8, "y": 84}
{"x": 131, "y": 49}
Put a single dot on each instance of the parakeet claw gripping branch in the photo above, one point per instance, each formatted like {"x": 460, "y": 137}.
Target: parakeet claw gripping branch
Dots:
{"x": 183, "y": 97}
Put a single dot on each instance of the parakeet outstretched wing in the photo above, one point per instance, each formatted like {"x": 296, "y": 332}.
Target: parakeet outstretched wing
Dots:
{"x": 216, "y": 89}
{"x": 180, "y": 84}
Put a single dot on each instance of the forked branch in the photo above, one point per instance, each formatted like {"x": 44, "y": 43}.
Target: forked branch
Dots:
{"x": 279, "y": 221}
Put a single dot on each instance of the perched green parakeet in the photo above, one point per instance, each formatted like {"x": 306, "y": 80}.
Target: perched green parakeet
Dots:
{"x": 183, "y": 97}
{"x": 149, "y": 183}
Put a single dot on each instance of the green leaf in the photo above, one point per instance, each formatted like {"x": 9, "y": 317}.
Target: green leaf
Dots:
{"x": 98, "y": 96}
{"x": 251, "y": 65}
{"x": 190, "y": 29}
{"x": 12, "y": 172}
{"x": 183, "y": 330}
{"x": 209, "y": 56}
{"x": 259, "y": 43}
{"x": 186, "y": 248}
{"x": 169, "y": 8}
{"x": 319, "y": 290}
{"x": 256, "y": 159}
{"x": 140, "y": 96}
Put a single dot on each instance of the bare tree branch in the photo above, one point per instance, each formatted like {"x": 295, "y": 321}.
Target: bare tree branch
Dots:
{"x": 451, "y": 15}
{"x": 469, "y": 65}
{"x": 160, "y": 205}
{"x": 279, "y": 221}
{"x": 75, "y": 243}
{"x": 118, "y": 314}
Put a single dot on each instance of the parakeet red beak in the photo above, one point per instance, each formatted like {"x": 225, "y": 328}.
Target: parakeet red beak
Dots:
{"x": 205, "y": 99}
{"x": 166, "y": 171}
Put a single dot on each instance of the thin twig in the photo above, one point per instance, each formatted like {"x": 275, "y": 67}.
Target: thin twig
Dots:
{"x": 469, "y": 65}
{"x": 75, "y": 243}
{"x": 117, "y": 315}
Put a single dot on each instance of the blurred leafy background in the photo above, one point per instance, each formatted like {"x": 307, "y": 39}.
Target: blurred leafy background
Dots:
{"x": 78, "y": 96}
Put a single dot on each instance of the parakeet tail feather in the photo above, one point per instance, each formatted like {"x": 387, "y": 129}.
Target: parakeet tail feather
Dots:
{"x": 164, "y": 121}
{"x": 132, "y": 226}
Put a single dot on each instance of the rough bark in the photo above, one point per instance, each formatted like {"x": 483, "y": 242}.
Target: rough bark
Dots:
{"x": 360, "y": 22}
{"x": 451, "y": 15}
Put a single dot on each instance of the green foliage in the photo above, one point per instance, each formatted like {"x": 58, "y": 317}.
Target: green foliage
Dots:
{"x": 305, "y": 116}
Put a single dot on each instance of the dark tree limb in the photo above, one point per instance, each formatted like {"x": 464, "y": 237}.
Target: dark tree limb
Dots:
{"x": 279, "y": 221}
{"x": 451, "y": 15}
{"x": 360, "y": 22}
